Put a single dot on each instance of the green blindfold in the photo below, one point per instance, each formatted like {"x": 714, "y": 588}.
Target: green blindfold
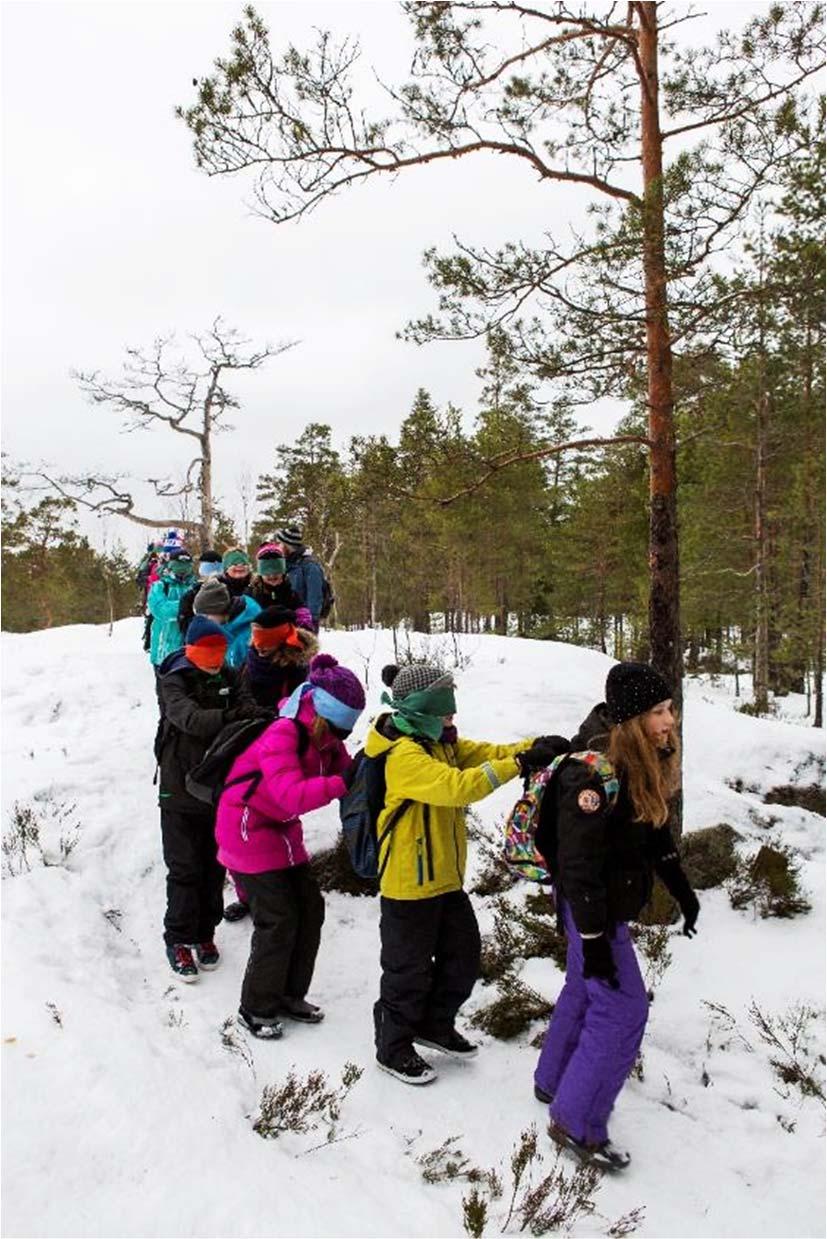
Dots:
{"x": 234, "y": 557}
{"x": 271, "y": 566}
{"x": 421, "y": 713}
{"x": 180, "y": 567}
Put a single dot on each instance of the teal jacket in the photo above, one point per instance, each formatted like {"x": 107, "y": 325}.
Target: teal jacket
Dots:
{"x": 237, "y": 630}
{"x": 162, "y": 603}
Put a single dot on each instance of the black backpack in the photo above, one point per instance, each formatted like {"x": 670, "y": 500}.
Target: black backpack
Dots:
{"x": 359, "y": 811}
{"x": 208, "y": 779}
{"x": 328, "y": 598}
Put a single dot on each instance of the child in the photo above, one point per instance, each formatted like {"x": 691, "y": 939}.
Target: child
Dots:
{"x": 295, "y": 766}
{"x": 277, "y": 662}
{"x": 430, "y": 939}
{"x": 279, "y": 656}
{"x": 606, "y": 855}
{"x": 163, "y": 601}
{"x": 269, "y": 585}
{"x": 234, "y": 614}
{"x": 209, "y": 563}
{"x": 198, "y": 695}
{"x": 236, "y": 570}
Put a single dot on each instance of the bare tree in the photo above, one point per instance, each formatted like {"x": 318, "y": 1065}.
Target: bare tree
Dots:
{"x": 155, "y": 389}
{"x": 576, "y": 95}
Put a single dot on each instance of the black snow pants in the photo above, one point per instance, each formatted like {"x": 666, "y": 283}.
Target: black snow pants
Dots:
{"x": 430, "y": 961}
{"x": 195, "y": 880}
{"x": 287, "y": 908}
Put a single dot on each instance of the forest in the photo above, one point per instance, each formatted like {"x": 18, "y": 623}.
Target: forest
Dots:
{"x": 701, "y": 515}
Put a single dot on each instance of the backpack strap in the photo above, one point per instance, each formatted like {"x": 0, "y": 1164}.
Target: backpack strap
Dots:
{"x": 253, "y": 777}
{"x": 387, "y": 830}
{"x": 400, "y": 810}
{"x": 602, "y": 767}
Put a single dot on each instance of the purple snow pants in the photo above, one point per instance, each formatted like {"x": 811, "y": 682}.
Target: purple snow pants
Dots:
{"x": 593, "y": 1038}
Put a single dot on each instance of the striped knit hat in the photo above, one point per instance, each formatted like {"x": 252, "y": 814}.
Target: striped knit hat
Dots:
{"x": 290, "y": 535}
{"x": 413, "y": 678}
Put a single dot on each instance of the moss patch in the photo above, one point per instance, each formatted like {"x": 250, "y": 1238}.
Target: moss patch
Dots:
{"x": 708, "y": 856}
{"x": 811, "y": 797}
{"x": 334, "y": 872}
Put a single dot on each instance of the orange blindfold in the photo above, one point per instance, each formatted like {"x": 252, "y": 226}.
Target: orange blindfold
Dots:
{"x": 208, "y": 654}
{"x": 272, "y": 638}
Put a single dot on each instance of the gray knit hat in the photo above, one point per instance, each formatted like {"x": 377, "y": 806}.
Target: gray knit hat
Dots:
{"x": 213, "y": 598}
{"x": 413, "y": 678}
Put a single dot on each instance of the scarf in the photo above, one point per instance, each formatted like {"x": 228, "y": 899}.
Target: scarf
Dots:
{"x": 421, "y": 713}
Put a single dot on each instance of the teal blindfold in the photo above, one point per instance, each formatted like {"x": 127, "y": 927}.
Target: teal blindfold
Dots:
{"x": 421, "y": 713}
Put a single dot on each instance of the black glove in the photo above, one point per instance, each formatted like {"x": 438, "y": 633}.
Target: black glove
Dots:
{"x": 677, "y": 883}
{"x": 598, "y": 960}
{"x": 542, "y": 753}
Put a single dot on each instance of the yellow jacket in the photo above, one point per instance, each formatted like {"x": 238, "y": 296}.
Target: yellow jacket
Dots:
{"x": 424, "y": 855}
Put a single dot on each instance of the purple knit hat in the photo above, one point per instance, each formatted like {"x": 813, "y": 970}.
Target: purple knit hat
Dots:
{"x": 326, "y": 673}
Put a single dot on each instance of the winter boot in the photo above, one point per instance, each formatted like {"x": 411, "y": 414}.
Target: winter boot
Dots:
{"x": 453, "y": 1044}
{"x": 208, "y": 956}
{"x": 181, "y": 962}
{"x": 604, "y": 1155}
{"x": 543, "y": 1096}
{"x": 408, "y": 1067}
{"x": 236, "y": 911}
{"x": 302, "y": 1010}
{"x": 265, "y": 1030}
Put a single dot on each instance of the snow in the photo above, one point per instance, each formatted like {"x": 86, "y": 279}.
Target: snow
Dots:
{"x": 124, "y": 1114}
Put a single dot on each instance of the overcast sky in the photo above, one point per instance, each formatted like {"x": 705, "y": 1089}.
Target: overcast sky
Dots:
{"x": 111, "y": 237}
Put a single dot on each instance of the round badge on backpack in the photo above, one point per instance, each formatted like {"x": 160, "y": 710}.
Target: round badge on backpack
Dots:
{"x": 588, "y": 801}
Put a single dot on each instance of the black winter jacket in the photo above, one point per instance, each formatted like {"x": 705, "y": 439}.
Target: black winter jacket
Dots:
{"x": 282, "y": 595}
{"x": 194, "y": 708}
{"x": 269, "y": 680}
{"x": 606, "y": 861}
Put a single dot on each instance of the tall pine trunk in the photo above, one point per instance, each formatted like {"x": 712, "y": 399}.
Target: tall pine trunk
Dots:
{"x": 664, "y": 594}
{"x": 761, "y": 660}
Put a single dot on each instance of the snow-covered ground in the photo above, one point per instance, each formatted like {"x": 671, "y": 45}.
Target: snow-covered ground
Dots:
{"x": 125, "y": 1114}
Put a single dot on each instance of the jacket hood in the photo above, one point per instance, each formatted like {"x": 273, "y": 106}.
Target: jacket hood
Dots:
{"x": 176, "y": 661}
{"x": 381, "y": 737}
{"x": 290, "y": 656}
{"x": 593, "y": 732}
{"x": 243, "y": 610}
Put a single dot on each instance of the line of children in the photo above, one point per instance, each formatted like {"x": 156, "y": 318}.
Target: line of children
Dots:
{"x": 605, "y": 854}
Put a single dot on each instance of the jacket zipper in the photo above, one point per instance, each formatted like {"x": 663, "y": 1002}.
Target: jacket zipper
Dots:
{"x": 429, "y": 855}
{"x": 419, "y": 875}
{"x": 244, "y": 816}
{"x": 456, "y": 846}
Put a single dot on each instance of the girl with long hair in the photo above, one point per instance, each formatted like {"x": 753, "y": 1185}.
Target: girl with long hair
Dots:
{"x": 604, "y": 835}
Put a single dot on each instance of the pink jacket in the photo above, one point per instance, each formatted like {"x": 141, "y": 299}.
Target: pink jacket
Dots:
{"x": 265, "y": 831}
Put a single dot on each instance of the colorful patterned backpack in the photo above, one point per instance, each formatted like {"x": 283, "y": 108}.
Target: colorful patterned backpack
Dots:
{"x": 519, "y": 851}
